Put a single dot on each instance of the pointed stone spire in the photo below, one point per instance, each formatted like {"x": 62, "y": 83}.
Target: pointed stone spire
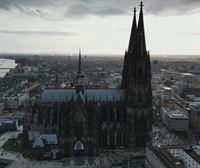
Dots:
{"x": 131, "y": 51}
{"x": 79, "y": 62}
{"x": 141, "y": 34}
{"x": 80, "y": 76}
{"x": 133, "y": 37}
{"x": 140, "y": 22}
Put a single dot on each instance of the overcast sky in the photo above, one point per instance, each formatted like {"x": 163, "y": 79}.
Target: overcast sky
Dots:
{"x": 97, "y": 26}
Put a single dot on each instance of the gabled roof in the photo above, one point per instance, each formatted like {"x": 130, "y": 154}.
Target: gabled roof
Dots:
{"x": 58, "y": 95}
{"x": 42, "y": 139}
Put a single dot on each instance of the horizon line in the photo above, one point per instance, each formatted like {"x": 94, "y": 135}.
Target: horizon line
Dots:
{"x": 93, "y": 54}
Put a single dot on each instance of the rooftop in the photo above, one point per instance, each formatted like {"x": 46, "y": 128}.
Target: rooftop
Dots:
{"x": 193, "y": 155}
{"x": 51, "y": 95}
{"x": 166, "y": 158}
{"x": 176, "y": 114}
{"x": 49, "y": 139}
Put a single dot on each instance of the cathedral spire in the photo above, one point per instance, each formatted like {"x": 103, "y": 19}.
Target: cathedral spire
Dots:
{"x": 141, "y": 34}
{"x": 133, "y": 37}
{"x": 79, "y": 62}
{"x": 79, "y": 76}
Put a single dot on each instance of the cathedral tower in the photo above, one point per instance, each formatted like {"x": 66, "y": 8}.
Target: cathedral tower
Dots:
{"x": 136, "y": 80}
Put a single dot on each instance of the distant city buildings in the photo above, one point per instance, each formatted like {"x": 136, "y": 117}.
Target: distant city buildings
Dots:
{"x": 107, "y": 110}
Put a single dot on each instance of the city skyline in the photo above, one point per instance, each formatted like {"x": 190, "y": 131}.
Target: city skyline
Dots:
{"x": 95, "y": 111}
{"x": 62, "y": 27}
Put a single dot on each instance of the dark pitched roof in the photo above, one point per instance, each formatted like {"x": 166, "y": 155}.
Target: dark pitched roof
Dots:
{"x": 59, "y": 95}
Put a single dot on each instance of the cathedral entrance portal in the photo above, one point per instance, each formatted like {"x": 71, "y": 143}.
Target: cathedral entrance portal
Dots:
{"x": 79, "y": 148}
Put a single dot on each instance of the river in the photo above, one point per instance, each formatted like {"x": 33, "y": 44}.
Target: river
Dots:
{"x": 5, "y": 66}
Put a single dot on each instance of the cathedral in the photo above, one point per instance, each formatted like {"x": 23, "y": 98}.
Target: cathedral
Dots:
{"x": 87, "y": 121}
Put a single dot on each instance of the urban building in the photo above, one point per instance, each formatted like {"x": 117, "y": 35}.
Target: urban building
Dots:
{"x": 187, "y": 92}
{"x": 167, "y": 98}
{"x": 194, "y": 118}
{"x": 175, "y": 119}
{"x": 161, "y": 158}
{"x": 45, "y": 139}
{"x": 2, "y": 107}
{"x": 11, "y": 121}
{"x": 172, "y": 157}
{"x": 8, "y": 125}
{"x": 189, "y": 157}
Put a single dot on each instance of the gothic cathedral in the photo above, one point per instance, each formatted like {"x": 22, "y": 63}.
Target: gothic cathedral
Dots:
{"x": 86, "y": 121}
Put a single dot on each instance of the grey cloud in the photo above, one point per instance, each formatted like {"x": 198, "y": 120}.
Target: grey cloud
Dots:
{"x": 30, "y": 12}
{"x": 81, "y": 8}
{"x": 118, "y": 7}
{"x": 5, "y": 4}
{"x": 85, "y": 9}
{"x": 8, "y": 4}
{"x": 111, "y": 11}
{"x": 11, "y": 4}
{"x": 42, "y": 33}
{"x": 172, "y": 7}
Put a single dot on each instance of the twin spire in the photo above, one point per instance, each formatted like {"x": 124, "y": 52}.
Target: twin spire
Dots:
{"x": 136, "y": 58}
{"x": 137, "y": 38}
